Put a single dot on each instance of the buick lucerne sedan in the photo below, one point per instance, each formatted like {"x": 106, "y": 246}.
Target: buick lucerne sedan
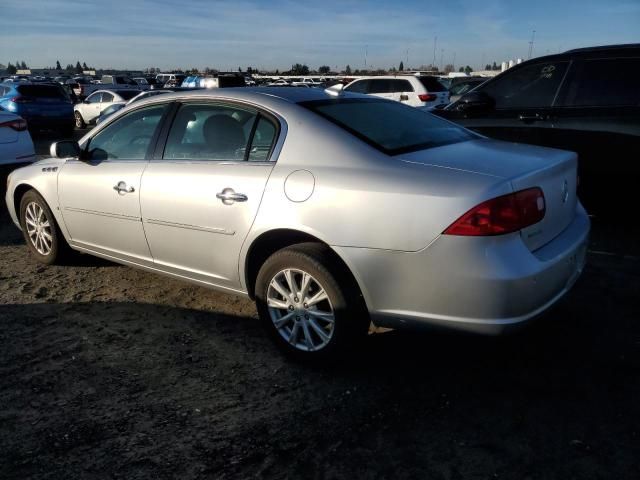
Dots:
{"x": 332, "y": 210}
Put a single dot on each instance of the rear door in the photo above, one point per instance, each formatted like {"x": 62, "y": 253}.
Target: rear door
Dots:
{"x": 382, "y": 87}
{"x": 598, "y": 116}
{"x": 202, "y": 190}
{"x": 90, "y": 108}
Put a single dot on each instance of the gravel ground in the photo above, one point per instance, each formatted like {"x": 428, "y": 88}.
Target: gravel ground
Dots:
{"x": 110, "y": 372}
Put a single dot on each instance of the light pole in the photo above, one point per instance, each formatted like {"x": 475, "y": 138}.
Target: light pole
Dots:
{"x": 435, "y": 43}
{"x": 533, "y": 36}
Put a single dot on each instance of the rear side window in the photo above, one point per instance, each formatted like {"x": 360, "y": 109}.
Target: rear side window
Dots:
{"x": 127, "y": 94}
{"x": 379, "y": 86}
{"x": 390, "y": 127}
{"x": 42, "y": 91}
{"x": 432, "y": 84}
{"x": 529, "y": 86}
{"x": 401, "y": 86}
{"x": 231, "y": 81}
{"x": 107, "y": 97}
{"x": 603, "y": 82}
{"x": 219, "y": 132}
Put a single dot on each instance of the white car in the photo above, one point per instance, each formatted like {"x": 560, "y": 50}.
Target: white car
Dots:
{"x": 88, "y": 111}
{"x": 16, "y": 146}
{"x": 417, "y": 91}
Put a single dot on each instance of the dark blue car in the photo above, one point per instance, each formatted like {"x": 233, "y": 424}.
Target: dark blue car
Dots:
{"x": 43, "y": 106}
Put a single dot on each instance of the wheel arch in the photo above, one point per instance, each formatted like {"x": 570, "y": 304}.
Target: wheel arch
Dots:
{"x": 271, "y": 241}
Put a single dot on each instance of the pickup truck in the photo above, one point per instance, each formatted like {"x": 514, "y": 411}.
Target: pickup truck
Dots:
{"x": 110, "y": 82}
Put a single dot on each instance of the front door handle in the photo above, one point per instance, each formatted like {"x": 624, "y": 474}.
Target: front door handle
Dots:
{"x": 122, "y": 188}
{"x": 532, "y": 118}
{"x": 229, "y": 196}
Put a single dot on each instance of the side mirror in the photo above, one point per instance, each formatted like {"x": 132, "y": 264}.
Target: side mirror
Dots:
{"x": 335, "y": 90}
{"x": 476, "y": 102}
{"x": 65, "y": 149}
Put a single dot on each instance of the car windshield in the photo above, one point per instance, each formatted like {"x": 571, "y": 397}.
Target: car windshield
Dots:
{"x": 389, "y": 126}
{"x": 42, "y": 91}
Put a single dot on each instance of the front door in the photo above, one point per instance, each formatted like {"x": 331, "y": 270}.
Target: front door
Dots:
{"x": 100, "y": 194}
{"x": 200, "y": 197}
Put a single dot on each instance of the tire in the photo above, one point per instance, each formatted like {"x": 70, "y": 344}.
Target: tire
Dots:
{"x": 321, "y": 331}
{"x": 48, "y": 246}
{"x": 80, "y": 123}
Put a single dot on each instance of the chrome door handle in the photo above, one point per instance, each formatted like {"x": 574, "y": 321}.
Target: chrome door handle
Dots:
{"x": 121, "y": 188}
{"x": 532, "y": 118}
{"x": 229, "y": 196}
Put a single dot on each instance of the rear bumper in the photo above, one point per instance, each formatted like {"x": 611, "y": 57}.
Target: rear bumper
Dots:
{"x": 483, "y": 285}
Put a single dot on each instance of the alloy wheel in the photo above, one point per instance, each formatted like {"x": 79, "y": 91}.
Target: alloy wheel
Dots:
{"x": 38, "y": 228}
{"x": 300, "y": 310}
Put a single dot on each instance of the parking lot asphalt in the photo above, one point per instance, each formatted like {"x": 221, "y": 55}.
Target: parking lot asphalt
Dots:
{"x": 111, "y": 372}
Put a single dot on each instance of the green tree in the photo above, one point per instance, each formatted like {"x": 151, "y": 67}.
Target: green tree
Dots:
{"x": 84, "y": 66}
{"x": 495, "y": 66}
{"x": 324, "y": 69}
{"x": 299, "y": 69}
{"x": 23, "y": 65}
{"x": 347, "y": 70}
{"x": 78, "y": 67}
{"x": 69, "y": 67}
{"x": 461, "y": 69}
{"x": 487, "y": 67}
{"x": 58, "y": 67}
{"x": 468, "y": 69}
{"x": 401, "y": 67}
{"x": 11, "y": 69}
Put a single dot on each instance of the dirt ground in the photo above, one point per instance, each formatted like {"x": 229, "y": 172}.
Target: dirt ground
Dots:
{"x": 110, "y": 372}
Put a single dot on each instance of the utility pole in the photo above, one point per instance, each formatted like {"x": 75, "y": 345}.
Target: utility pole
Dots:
{"x": 435, "y": 43}
{"x": 407, "y": 58}
{"x": 533, "y": 36}
{"x": 441, "y": 60}
{"x": 366, "y": 51}
{"x": 453, "y": 64}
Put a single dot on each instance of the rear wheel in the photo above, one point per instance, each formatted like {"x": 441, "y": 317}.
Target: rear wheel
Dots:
{"x": 307, "y": 304}
{"x": 79, "y": 120}
{"x": 40, "y": 230}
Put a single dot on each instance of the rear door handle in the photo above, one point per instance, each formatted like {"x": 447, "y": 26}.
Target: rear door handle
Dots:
{"x": 122, "y": 188}
{"x": 404, "y": 98}
{"x": 532, "y": 118}
{"x": 229, "y": 196}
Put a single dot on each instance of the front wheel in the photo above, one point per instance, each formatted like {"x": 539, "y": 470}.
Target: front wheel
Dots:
{"x": 79, "y": 120}
{"x": 307, "y": 304}
{"x": 40, "y": 230}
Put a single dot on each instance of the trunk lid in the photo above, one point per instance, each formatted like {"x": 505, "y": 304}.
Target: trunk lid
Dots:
{"x": 523, "y": 166}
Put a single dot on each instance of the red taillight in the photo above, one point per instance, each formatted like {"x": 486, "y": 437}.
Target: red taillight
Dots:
{"x": 500, "y": 215}
{"x": 21, "y": 100}
{"x": 427, "y": 97}
{"x": 19, "y": 125}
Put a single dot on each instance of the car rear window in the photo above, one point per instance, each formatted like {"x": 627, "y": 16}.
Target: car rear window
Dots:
{"x": 389, "y": 126}
{"x": 42, "y": 91}
{"x": 432, "y": 84}
{"x": 128, "y": 94}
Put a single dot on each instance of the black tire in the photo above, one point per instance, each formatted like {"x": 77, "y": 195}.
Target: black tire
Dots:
{"x": 80, "y": 123}
{"x": 59, "y": 249}
{"x": 351, "y": 320}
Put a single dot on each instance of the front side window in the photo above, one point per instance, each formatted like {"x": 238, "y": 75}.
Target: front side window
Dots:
{"x": 529, "y": 86}
{"x": 95, "y": 98}
{"x": 128, "y": 138}
{"x": 218, "y": 132}
{"x": 358, "y": 87}
{"x": 391, "y": 127}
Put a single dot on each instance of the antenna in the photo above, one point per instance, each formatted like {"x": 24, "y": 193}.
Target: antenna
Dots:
{"x": 533, "y": 36}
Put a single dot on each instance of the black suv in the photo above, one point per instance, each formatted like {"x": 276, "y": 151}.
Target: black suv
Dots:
{"x": 586, "y": 100}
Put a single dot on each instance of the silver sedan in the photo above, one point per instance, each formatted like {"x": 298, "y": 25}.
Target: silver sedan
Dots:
{"x": 332, "y": 210}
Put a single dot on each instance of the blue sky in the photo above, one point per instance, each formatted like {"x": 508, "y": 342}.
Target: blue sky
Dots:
{"x": 276, "y": 34}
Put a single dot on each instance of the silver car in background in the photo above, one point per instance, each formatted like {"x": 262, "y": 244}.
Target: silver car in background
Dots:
{"x": 331, "y": 210}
